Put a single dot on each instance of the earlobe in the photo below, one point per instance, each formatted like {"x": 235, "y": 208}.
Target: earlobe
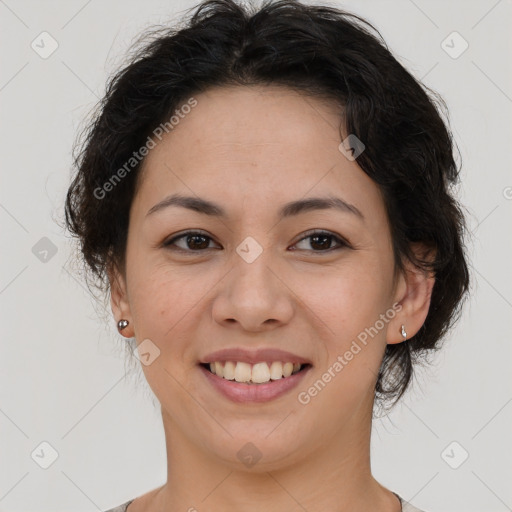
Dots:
{"x": 413, "y": 294}
{"x": 119, "y": 303}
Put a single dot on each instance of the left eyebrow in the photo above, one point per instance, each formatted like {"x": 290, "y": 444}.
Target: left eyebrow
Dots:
{"x": 290, "y": 209}
{"x": 318, "y": 203}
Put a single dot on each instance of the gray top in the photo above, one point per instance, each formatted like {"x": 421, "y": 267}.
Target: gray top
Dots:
{"x": 406, "y": 506}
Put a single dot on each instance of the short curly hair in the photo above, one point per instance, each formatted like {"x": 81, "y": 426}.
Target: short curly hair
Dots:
{"x": 319, "y": 51}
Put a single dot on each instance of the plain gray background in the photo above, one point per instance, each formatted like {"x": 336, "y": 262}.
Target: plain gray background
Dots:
{"x": 63, "y": 371}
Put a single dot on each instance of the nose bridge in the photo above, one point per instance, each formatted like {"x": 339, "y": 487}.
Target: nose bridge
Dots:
{"x": 252, "y": 293}
{"x": 252, "y": 270}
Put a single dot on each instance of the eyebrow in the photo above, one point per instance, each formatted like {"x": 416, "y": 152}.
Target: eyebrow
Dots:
{"x": 290, "y": 209}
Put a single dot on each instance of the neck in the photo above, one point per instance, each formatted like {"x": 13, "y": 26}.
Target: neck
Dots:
{"x": 335, "y": 475}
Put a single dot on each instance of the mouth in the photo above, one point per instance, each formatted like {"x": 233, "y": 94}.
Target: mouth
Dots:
{"x": 252, "y": 383}
{"x": 254, "y": 374}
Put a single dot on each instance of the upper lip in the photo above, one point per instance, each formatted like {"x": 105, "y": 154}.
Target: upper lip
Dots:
{"x": 254, "y": 356}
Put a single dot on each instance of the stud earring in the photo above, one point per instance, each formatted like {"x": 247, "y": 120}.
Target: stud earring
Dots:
{"x": 403, "y": 332}
{"x": 122, "y": 324}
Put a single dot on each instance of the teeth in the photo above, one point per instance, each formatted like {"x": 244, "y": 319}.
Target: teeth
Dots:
{"x": 242, "y": 372}
{"x": 218, "y": 368}
{"x": 287, "y": 369}
{"x": 258, "y": 373}
{"x": 276, "y": 370}
{"x": 229, "y": 371}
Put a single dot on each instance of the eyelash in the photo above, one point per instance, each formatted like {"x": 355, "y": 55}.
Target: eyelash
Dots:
{"x": 309, "y": 234}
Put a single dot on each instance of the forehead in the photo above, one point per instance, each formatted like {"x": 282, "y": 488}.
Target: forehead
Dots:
{"x": 274, "y": 117}
{"x": 260, "y": 144}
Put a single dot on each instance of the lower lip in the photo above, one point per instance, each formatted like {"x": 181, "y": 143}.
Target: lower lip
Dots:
{"x": 240, "y": 392}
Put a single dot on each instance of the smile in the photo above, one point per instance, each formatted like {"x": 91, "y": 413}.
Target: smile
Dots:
{"x": 245, "y": 383}
{"x": 258, "y": 373}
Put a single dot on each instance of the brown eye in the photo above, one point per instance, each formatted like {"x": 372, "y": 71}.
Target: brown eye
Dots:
{"x": 196, "y": 241}
{"x": 321, "y": 241}
{"x": 191, "y": 241}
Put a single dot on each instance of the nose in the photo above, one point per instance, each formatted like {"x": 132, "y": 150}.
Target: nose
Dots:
{"x": 253, "y": 296}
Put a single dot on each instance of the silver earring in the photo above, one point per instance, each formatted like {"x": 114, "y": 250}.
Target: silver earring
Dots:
{"x": 403, "y": 332}
{"x": 122, "y": 324}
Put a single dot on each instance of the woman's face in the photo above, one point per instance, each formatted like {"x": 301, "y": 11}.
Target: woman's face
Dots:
{"x": 255, "y": 279}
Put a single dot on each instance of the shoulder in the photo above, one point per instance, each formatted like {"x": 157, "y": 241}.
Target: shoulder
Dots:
{"x": 120, "y": 508}
{"x": 406, "y": 506}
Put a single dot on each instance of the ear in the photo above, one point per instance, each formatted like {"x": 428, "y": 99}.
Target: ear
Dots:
{"x": 119, "y": 300}
{"x": 413, "y": 292}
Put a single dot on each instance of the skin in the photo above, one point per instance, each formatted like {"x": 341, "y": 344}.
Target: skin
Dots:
{"x": 252, "y": 149}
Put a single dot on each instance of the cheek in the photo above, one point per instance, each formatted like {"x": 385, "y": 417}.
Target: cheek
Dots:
{"x": 163, "y": 303}
{"x": 348, "y": 309}
{"x": 350, "y": 298}
{"x": 162, "y": 299}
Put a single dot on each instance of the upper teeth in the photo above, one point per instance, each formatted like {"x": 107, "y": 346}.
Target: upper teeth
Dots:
{"x": 256, "y": 373}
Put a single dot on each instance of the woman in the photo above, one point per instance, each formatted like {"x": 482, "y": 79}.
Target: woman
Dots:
{"x": 265, "y": 196}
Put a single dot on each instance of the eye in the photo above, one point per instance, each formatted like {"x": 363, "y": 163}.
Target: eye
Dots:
{"x": 323, "y": 240}
{"x": 193, "y": 241}
{"x": 196, "y": 241}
